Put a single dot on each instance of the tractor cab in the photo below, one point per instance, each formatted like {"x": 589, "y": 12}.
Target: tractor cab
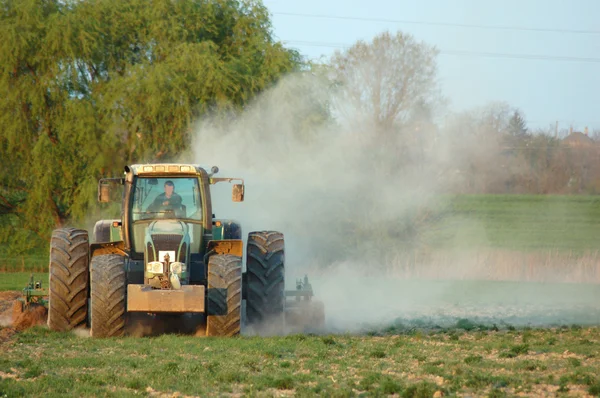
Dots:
{"x": 166, "y": 226}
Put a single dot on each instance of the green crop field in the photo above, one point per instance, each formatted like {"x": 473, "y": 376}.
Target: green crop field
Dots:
{"x": 18, "y": 280}
{"x": 36, "y": 262}
{"x": 518, "y": 222}
{"x": 417, "y": 364}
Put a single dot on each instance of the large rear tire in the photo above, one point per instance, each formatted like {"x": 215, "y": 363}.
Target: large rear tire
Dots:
{"x": 108, "y": 288}
{"x": 69, "y": 279}
{"x": 265, "y": 276}
{"x": 224, "y": 307}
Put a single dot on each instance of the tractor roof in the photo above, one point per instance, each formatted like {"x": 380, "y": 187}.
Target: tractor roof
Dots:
{"x": 164, "y": 168}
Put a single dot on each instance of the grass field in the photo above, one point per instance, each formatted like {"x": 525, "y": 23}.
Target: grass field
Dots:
{"x": 36, "y": 262}
{"x": 518, "y": 222}
{"x": 18, "y": 280}
{"x": 417, "y": 364}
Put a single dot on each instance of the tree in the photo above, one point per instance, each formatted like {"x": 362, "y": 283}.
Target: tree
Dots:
{"x": 494, "y": 118}
{"x": 517, "y": 126}
{"x": 88, "y": 86}
{"x": 387, "y": 80}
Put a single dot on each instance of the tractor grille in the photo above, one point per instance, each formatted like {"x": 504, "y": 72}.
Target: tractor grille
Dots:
{"x": 169, "y": 242}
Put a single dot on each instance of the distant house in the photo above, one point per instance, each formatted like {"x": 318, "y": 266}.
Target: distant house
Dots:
{"x": 577, "y": 139}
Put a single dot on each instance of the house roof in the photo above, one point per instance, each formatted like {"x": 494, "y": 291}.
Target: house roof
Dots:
{"x": 577, "y": 138}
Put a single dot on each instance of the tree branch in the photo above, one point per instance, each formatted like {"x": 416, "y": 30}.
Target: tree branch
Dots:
{"x": 6, "y": 202}
{"x": 55, "y": 210}
{"x": 16, "y": 188}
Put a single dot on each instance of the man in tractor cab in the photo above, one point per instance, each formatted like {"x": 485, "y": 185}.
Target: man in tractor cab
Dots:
{"x": 169, "y": 201}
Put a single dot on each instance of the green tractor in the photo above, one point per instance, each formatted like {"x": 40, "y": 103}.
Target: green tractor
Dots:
{"x": 167, "y": 254}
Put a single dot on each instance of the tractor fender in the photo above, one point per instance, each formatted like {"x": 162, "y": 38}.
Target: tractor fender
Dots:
{"x": 97, "y": 249}
{"x": 225, "y": 246}
{"x": 104, "y": 231}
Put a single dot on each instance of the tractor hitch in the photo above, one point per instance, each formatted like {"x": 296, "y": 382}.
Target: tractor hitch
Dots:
{"x": 303, "y": 290}
{"x": 303, "y": 313}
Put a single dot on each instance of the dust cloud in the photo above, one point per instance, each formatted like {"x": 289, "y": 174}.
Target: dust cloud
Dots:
{"x": 353, "y": 204}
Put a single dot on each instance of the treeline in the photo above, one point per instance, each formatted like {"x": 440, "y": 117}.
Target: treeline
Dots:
{"x": 535, "y": 165}
{"x": 499, "y": 155}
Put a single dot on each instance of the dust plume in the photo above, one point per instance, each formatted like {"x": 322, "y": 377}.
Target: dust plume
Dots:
{"x": 81, "y": 332}
{"x": 325, "y": 184}
{"x": 354, "y": 204}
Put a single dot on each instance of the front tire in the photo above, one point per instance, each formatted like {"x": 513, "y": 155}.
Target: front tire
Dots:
{"x": 69, "y": 279}
{"x": 224, "y": 307}
{"x": 108, "y": 295}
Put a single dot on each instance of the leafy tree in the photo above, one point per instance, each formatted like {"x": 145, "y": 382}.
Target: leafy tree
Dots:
{"x": 87, "y": 86}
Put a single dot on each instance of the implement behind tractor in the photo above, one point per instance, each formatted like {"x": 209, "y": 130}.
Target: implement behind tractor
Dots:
{"x": 33, "y": 294}
{"x": 26, "y": 310}
{"x": 167, "y": 254}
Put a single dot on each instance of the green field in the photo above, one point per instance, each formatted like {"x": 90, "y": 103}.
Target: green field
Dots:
{"x": 18, "y": 280}
{"x": 35, "y": 262}
{"x": 534, "y": 362}
{"x": 517, "y": 222}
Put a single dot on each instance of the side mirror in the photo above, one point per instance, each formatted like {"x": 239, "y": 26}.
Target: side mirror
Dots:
{"x": 105, "y": 190}
{"x": 103, "y": 193}
{"x": 237, "y": 193}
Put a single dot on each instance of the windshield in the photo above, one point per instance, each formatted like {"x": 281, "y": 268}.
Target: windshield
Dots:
{"x": 159, "y": 198}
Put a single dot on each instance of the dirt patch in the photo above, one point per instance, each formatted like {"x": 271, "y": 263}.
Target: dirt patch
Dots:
{"x": 13, "y": 376}
{"x": 8, "y": 296}
{"x": 33, "y": 316}
{"x": 6, "y": 334}
{"x": 13, "y": 317}
{"x": 7, "y": 300}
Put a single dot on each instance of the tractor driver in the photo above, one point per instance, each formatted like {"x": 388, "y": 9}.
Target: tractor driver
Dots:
{"x": 167, "y": 201}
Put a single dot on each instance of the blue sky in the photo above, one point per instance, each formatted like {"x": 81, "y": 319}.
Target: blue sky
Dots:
{"x": 546, "y": 90}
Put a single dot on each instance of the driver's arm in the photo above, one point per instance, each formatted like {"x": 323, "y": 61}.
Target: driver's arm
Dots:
{"x": 155, "y": 205}
{"x": 175, "y": 201}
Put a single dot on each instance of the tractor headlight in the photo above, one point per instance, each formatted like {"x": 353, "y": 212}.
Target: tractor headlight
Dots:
{"x": 156, "y": 267}
{"x": 178, "y": 268}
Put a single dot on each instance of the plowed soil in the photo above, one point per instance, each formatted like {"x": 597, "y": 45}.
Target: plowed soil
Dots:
{"x": 13, "y": 318}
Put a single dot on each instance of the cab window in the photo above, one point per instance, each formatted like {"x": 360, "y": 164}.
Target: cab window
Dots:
{"x": 174, "y": 198}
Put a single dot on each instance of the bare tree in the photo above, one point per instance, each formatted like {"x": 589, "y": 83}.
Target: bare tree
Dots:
{"x": 387, "y": 80}
{"x": 494, "y": 117}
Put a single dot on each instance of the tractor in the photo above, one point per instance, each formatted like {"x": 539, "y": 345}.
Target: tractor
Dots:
{"x": 168, "y": 254}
